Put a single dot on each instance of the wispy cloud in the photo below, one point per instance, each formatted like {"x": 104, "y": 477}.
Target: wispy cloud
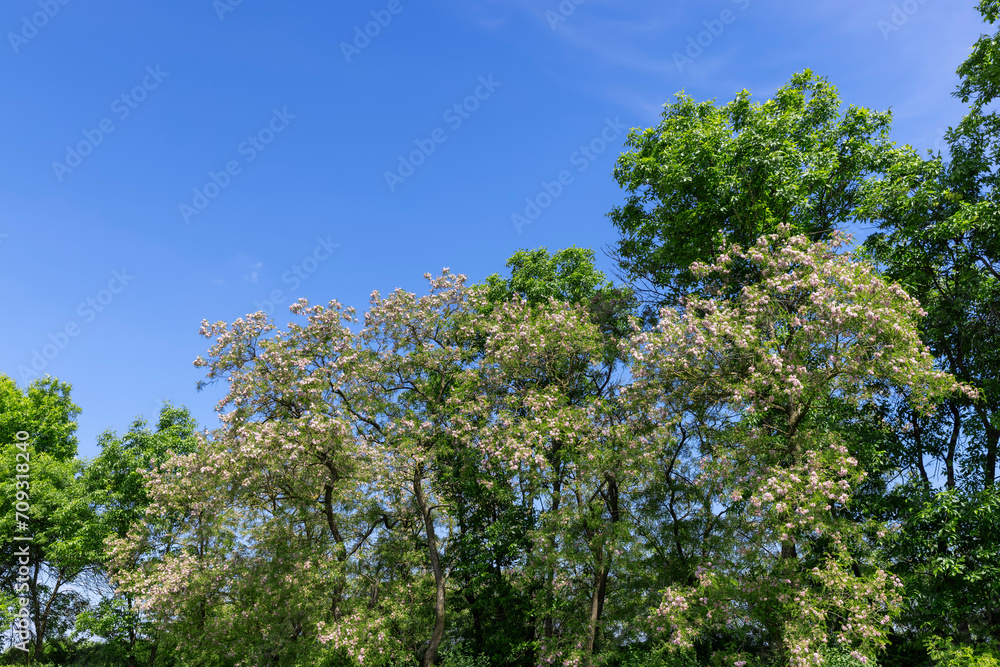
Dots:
{"x": 254, "y": 273}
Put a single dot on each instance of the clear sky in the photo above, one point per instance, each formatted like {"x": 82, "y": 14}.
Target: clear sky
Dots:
{"x": 164, "y": 163}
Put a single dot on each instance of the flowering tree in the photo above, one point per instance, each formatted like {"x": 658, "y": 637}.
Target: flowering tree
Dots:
{"x": 545, "y": 297}
{"x": 271, "y": 505}
{"x": 341, "y": 450}
{"x": 544, "y": 406}
{"x": 762, "y": 371}
{"x": 324, "y": 474}
{"x": 418, "y": 350}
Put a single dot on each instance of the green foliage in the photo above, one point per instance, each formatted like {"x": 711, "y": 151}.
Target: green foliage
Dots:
{"x": 948, "y": 553}
{"x": 707, "y": 174}
{"x": 939, "y": 236}
{"x": 458, "y": 658}
{"x": 66, "y": 540}
{"x": 569, "y": 276}
{"x": 841, "y": 657}
{"x": 980, "y": 72}
{"x": 945, "y": 654}
{"x": 44, "y": 410}
{"x": 116, "y": 475}
{"x": 662, "y": 657}
{"x": 118, "y": 493}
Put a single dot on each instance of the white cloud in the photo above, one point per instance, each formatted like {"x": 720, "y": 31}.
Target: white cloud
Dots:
{"x": 254, "y": 273}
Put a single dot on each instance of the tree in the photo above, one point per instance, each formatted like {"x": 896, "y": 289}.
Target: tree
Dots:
{"x": 939, "y": 236}
{"x": 710, "y": 174}
{"x": 37, "y": 428}
{"x": 539, "y": 280}
{"x": 329, "y": 455}
{"x": 44, "y": 409}
{"x": 120, "y": 498}
{"x": 267, "y": 510}
{"x": 586, "y": 514}
{"x": 763, "y": 366}
{"x": 539, "y": 407}
{"x": 65, "y": 544}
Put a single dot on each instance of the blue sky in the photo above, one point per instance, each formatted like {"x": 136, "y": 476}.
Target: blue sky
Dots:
{"x": 165, "y": 163}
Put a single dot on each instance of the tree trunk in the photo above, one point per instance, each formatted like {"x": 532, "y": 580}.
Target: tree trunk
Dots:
{"x": 992, "y": 444}
{"x": 432, "y": 552}
{"x": 335, "y": 533}
{"x": 603, "y": 569}
{"x": 550, "y": 576}
{"x": 131, "y": 634}
{"x": 956, "y": 431}
{"x": 596, "y": 607}
{"x": 41, "y": 621}
{"x": 131, "y": 647}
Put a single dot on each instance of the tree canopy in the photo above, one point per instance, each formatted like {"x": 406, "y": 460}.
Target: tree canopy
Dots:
{"x": 787, "y": 458}
{"x": 708, "y": 174}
